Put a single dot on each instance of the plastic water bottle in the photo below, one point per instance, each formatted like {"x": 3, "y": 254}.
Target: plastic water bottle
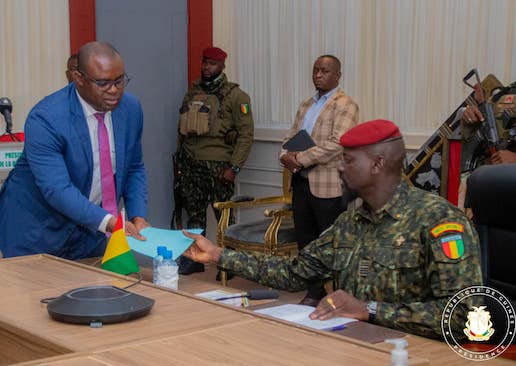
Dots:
{"x": 155, "y": 262}
{"x": 167, "y": 269}
{"x": 399, "y": 355}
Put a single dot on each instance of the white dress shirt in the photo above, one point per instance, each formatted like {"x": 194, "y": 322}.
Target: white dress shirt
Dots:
{"x": 313, "y": 112}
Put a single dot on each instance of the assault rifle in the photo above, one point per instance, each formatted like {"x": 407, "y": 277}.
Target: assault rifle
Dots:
{"x": 427, "y": 168}
{"x": 488, "y": 129}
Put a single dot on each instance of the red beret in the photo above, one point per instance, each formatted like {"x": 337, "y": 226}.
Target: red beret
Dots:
{"x": 370, "y": 133}
{"x": 214, "y": 53}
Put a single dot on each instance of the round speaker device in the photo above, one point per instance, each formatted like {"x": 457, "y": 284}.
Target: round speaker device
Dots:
{"x": 98, "y": 305}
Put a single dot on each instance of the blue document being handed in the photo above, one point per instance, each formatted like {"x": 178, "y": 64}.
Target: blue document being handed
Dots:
{"x": 173, "y": 239}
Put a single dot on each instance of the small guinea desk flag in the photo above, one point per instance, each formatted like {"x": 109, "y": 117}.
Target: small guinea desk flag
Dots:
{"x": 118, "y": 256}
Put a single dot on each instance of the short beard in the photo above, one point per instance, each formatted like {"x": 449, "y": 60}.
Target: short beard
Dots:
{"x": 210, "y": 79}
{"x": 348, "y": 196}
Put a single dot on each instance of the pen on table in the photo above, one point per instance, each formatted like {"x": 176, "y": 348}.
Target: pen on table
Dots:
{"x": 336, "y": 328}
{"x": 230, "y": 297}
{"x": 258, "y": 294}
{"x": 243, "y": 297}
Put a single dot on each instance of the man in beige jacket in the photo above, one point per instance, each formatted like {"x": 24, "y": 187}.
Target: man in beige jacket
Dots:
{"x": 317, "y": 197}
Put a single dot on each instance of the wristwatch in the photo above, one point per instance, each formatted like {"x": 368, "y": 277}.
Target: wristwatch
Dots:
{"x": 235, "y": 169}
{"x": 371, "y": 309}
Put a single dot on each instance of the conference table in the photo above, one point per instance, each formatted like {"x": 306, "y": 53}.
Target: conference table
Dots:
{"x": 181, "y": 329}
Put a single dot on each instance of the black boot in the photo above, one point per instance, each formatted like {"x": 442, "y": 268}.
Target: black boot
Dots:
{"x": 188, "y": 266}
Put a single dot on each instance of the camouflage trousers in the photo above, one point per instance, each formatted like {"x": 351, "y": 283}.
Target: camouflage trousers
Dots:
{"x": 202, "y": 185}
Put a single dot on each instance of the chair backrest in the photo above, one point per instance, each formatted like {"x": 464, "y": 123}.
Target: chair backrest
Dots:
{"x": 492, "y": 195}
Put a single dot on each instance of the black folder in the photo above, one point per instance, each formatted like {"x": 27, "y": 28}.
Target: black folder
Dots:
{"x": 301, "y": 141}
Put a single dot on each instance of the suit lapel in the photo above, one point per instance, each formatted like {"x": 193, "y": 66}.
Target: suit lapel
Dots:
{"x": 322, "y": 115}
{"x": 118, "y": 118}
{"x": 304, "y": 109}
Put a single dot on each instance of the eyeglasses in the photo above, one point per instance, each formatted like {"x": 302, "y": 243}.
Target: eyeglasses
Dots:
{"x": 104, "y": 84}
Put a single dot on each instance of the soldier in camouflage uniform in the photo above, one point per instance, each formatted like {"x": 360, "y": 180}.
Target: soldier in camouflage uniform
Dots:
{"x": 215, "y": 137}
{"x": 505, "y": 113}
{"x": 395, "y": 261}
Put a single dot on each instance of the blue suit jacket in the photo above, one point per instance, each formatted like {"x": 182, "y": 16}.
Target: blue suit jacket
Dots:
{"x": 44, "y": 206}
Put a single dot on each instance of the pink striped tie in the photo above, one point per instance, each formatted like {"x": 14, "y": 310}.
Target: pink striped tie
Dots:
{"x": 107, "y": 182}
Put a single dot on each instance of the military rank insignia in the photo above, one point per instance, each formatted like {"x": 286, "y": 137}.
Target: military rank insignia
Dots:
{"x": 453, "y": 246}
{"x": 244, "y": 108}
{"x": 363, "y": 267}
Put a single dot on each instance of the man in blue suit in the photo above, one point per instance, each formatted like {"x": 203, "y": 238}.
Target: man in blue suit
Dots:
{"x": 52, "y": 201}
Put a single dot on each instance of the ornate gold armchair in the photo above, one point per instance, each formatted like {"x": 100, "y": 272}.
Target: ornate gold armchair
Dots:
{"x": 272, "y": 235}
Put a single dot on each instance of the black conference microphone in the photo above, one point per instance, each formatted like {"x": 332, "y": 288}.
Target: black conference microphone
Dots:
{"x": 254, "y": 295}
{"x": 6, "y": 107}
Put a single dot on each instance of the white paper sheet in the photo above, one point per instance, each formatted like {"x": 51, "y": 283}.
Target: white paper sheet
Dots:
{"x": 299, "y": 314}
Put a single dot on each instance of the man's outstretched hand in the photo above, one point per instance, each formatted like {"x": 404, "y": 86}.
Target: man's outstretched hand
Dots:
{"x": 132, "y": 228}
{"x": 202, "y": 250}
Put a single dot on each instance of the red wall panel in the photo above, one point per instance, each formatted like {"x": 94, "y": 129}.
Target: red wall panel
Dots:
{"x": 82, "y": 23}
{"x": 200, "y": 34}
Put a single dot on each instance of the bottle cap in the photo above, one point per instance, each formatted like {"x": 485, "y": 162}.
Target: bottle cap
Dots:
{"x": 161, "y": 249}
{"x": 167, "y": 254}
{"x": 399, "y": 355}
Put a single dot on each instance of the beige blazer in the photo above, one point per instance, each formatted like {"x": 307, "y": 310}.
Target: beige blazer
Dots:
{"x": 339, "y": 114}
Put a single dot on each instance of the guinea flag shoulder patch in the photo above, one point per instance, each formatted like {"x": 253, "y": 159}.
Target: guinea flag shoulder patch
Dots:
{"x": 453, "y": 246}
{"x": 244, "y": 108}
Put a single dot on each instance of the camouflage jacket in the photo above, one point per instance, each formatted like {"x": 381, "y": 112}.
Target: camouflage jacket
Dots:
{"x": 410, "y": 256}
{"x": 233, "y": 117}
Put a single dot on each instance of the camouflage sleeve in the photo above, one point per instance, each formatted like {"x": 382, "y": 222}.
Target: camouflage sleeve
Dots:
{"x": 286, "y": 273}
{"x": 453, "y": 263}
{"x": 244, "y": 124}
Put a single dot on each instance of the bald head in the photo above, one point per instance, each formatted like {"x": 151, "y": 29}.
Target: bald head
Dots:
{"x": 95, "y": 49}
